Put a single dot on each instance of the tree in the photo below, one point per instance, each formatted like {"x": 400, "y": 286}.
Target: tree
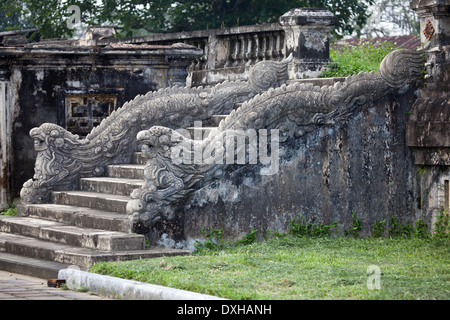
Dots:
{"x": 396, "y": 19}
{"x": 11, "y": 17}
{"x": 190, "y": 14}
{"x": 182, "y": 15}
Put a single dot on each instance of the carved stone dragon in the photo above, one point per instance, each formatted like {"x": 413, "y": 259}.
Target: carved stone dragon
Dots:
{"x": 63, "y": 158}
{"x": 294, "y": 110}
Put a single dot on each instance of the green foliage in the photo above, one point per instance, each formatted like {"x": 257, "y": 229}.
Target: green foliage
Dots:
{"x": 210, "y": 14}
{"x": 421, "y": 230}
{"x": 11, "y": 17}
{"x": 301, "y": 227}
{"x": 348, "y": 60}
{"x": 355, "y": 228}
{"x": 134, "y": 16}
{"x": 397, "y": 230}
{"x": 442, "y": 224}
{"x": 10, "y": 210}
{"x": 215, "y": 242}
{"x": 378, "y": 228}
{"x": 249, "y": 238}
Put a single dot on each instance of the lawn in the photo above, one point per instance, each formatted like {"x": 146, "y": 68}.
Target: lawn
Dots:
{"x": 292, "y": 267}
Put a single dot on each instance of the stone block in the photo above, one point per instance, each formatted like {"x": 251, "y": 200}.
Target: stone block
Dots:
{"x": 307, "y": 38}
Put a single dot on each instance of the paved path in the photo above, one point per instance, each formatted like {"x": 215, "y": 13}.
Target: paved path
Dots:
{"x": 15, "y": 286}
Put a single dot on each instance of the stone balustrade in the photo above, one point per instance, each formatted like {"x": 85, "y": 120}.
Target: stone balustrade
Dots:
{"x": 229, "y": 52}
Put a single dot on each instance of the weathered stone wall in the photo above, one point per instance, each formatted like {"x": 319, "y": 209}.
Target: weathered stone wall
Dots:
{"x": 361, "y": 165}
{"x": 42, "y": 75}
{"x": 427, "y": 132}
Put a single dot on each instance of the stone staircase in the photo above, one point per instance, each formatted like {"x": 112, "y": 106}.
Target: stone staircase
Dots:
{"x": 80, "y": 227}
{"x": 85, "y": 226}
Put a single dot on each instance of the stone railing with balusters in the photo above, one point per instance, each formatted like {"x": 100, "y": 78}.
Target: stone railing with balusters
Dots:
{"x": 229, "y": 52}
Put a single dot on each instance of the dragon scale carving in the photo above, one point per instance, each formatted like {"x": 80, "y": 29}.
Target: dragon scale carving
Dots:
{"x": 64, "y": 158}
{"x": 294, "y": 110}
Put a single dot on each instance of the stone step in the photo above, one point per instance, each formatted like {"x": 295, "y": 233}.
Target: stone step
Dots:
{"x": 32, "y": 248}
{"x": 111, "y": 185}
{"x": 94, "y": 200}
{"x": 40, "y": 249}
{"x": 215, "y": 119}
{"x": 71, "y": 235}
{"x": 30, "y": 266}
{"x": 127, "y": 171}
{"x": 77, "y": 216}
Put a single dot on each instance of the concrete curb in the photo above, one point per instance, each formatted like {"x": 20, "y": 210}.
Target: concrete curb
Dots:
{"x": 125, "y": 289}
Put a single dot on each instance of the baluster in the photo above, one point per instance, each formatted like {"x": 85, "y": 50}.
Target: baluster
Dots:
{"x": 254, "y": 49}
{"x": 247, "y": 49}
{"x": 281, "y": 46}
{"x": 257, "y": 48}
{"x": 239, "y": 51}
{"x": 268, "y": 46}
{"x": 231, "y": 49}
{"x": 273, "y": 45}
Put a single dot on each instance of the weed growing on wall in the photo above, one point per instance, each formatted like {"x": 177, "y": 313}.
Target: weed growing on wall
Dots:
{"x": 302, "y": 227}
{"x": 378, "y": 228}
{"x": 355, "y": 228}
{"x": 442, "y": 224}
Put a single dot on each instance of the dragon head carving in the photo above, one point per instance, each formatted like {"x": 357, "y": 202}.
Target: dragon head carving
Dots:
{"x": 53, "y": 163}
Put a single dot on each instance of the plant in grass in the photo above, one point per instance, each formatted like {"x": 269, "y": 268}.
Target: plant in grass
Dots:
{"x": 378, "y": 228}
{"x": 355, "y": 228}
{"x": 301, "y": 227}
{"x": 397, "y": 230}
{"x": 442, "y": 224}
{"x": 215, "y": 242}
{"x": 249, "y": 238}
{"x": 421, "y": 230}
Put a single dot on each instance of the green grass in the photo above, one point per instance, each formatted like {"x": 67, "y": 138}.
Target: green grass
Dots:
{"x": 348, "y": 60}
{"x": 292, "y": 267}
